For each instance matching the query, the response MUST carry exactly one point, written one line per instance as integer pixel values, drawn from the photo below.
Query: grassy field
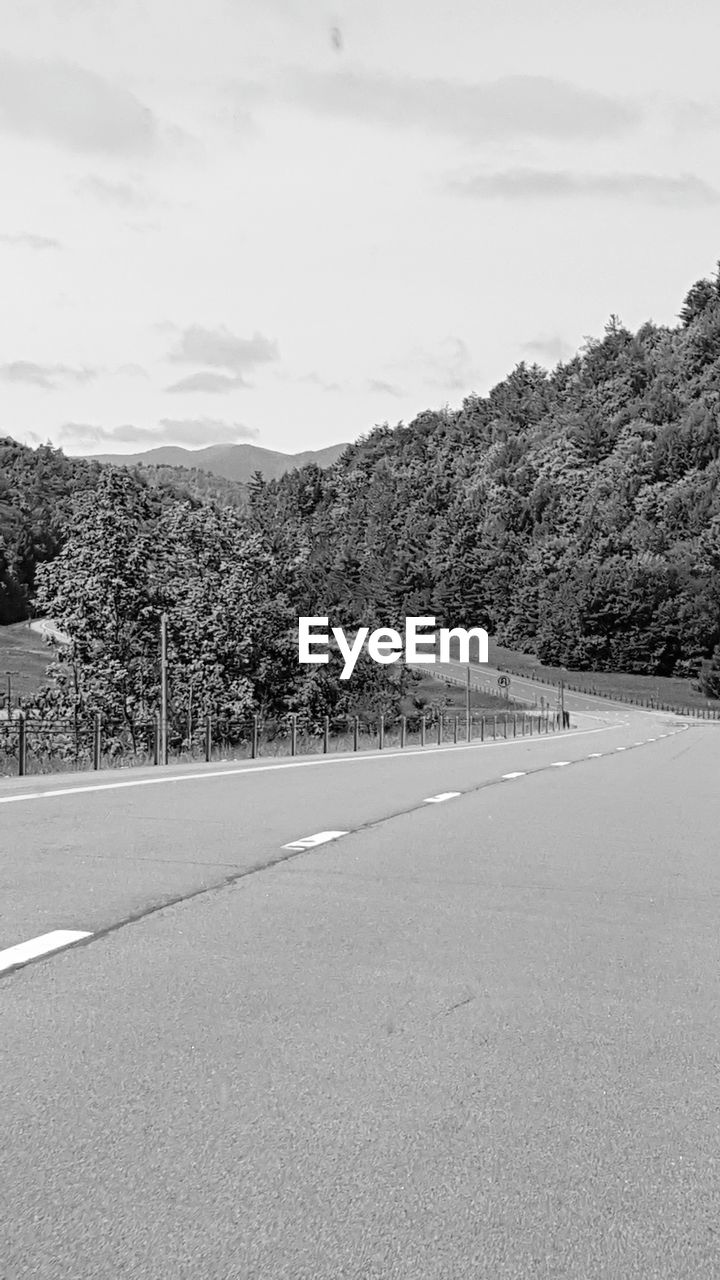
(623, 685)
(23, 653)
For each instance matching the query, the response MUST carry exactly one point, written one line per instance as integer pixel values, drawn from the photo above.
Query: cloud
(25, 240)
(181, 431)
(124, 195)
(510, 107)
(690, 116)
(550, 350)
(207, 380)
(46, 376)
(540, 184)
(449, 366)
(62, 103)
(383, 388)
(318, 381)
(222, 349)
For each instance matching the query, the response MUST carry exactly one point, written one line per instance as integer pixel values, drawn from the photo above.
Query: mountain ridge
(231, 461)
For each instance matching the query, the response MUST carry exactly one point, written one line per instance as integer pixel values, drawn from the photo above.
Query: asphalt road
(474, 1037)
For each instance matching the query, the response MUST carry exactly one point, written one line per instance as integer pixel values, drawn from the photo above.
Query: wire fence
(590, 689)
(33, 746)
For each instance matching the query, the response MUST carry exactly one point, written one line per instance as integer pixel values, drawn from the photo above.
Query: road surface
(472, 1034)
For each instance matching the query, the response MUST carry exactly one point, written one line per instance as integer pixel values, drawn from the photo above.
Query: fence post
(514, 724)
(208, 738)
(381, 733)
(482, 728)
(402, 731)
(22, 745)
(440, 728)
(455, 729)
(422, 731)
(97, 745)
(494, 728)
(156, 738)
(326, 735)
(254, 743)
(355, 732)
(293, 733)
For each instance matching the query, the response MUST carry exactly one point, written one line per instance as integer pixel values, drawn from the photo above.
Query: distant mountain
(232, 461)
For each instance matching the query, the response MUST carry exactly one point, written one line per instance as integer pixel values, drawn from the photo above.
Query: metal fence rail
(30, 745)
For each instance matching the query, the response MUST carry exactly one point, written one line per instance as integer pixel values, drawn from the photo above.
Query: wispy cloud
(181, 431)
(317, 380)
(544, 184)
(220, 349)
(550, 350)
(123, 195)
(383, 388)
(46, 376)
(63, 103)
(449, 365)
(209, 381)
(518, 106)
(26, 240)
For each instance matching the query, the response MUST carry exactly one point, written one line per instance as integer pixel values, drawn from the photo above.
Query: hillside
(575, 513)
(231, 461)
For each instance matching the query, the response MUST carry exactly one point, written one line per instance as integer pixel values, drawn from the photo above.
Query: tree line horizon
(573, 513)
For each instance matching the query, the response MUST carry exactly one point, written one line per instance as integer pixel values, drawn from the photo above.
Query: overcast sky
(284, 221)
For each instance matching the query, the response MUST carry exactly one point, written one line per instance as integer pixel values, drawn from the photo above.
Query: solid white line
(309, 842)
(351, 758)
(444, 795)
(514, 775)
(25, 951)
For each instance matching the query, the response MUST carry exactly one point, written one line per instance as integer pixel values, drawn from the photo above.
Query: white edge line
(41, 946)
(350, 758)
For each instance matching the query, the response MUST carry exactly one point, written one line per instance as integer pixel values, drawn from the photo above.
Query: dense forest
(575, 513)
(38, 488)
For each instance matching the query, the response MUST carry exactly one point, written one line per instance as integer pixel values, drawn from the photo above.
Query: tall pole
(562, 703)
(467, 705)
(163, 689)
(9, 675)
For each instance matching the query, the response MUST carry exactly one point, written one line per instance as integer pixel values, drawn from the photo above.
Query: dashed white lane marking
(638, 744)
(41, 946)
(315, 762)
(520, 774)
(619, 748)
(444, 795)
(559, 764)
(309, 842)
(595, 755)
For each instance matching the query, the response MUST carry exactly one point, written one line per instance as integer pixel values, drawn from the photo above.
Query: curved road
(472, 1034)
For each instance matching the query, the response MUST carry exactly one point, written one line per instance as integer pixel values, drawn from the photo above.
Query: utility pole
(467, 705)
(163, 689)
(9, 675)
